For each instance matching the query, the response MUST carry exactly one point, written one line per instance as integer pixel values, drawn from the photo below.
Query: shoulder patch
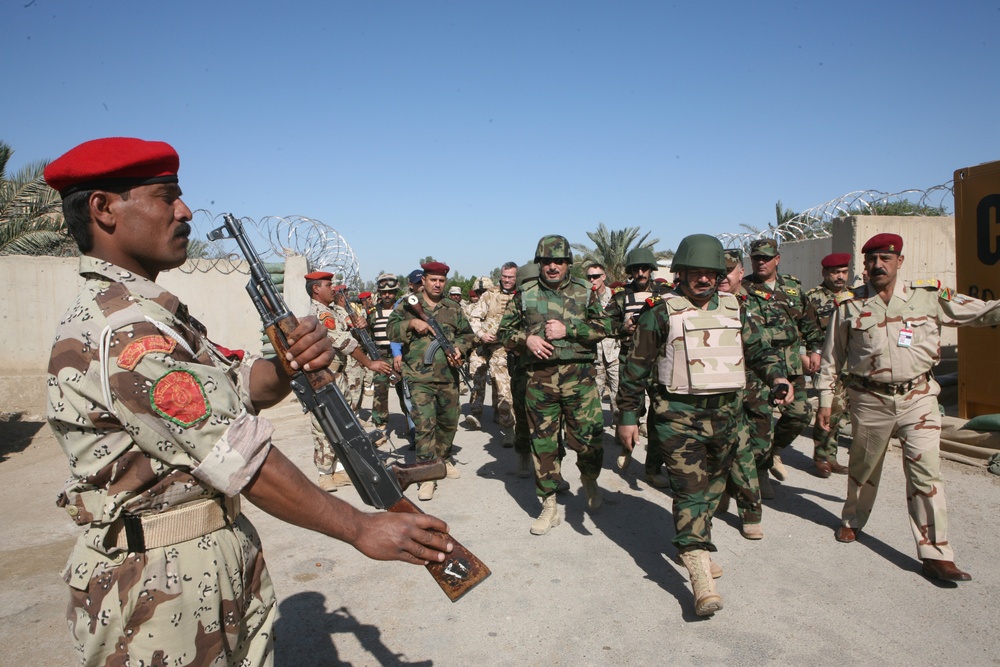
(946, 294)
(926, 283)
(326, 318)
(653, 300)
(179, 397)
(137, 349)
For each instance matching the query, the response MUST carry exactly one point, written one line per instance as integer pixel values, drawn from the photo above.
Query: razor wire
(817, 222)
(275, 238)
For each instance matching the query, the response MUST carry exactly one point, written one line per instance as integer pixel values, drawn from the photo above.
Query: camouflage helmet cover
(482, 284)
(700, 251)
(387, 282)
(640, 257)
(553, 246)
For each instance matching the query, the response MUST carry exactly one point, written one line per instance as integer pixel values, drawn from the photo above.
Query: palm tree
(612, 246)
(31, 221)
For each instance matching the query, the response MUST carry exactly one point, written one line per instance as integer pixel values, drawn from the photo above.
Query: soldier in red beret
(162, 434)
(884, 341)
(824, 297)
(433, 386)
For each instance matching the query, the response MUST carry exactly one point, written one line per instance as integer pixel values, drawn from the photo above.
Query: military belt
(701, 402)
(891, 388)
(137, 533)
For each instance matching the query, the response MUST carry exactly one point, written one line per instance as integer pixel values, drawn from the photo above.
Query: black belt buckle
(134, 537)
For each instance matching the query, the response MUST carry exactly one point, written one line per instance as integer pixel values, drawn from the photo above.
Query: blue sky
(466, 130)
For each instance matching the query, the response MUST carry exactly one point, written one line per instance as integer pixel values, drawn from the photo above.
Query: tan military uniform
(887, 352)
(485, 319)
(159, 430)
(334, 319)
(607, 360)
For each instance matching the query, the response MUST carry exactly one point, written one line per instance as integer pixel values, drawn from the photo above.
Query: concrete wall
(37, 290)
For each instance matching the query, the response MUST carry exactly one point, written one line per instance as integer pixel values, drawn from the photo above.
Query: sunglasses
(595, 276)
(761, 258)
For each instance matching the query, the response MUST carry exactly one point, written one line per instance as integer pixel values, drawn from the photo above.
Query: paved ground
(597, 590)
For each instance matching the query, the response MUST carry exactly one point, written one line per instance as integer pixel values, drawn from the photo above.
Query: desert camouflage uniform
(343, 344)
(825, 442)
(154, 418)
(887, 352)
(787, 321)
(433, 387)
(697, 433)
(608, 351)
(485, 319)
(561, 390)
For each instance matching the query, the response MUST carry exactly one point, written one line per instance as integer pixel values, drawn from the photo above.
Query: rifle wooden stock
(408, 474)
(460, 571)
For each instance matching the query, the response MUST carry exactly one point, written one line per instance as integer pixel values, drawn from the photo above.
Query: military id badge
(905, 336)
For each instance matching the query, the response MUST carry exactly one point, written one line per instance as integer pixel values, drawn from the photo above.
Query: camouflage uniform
(887, 352)
(695, 429)
(354, 372)
(433, 387)
(559, 390)
(154, 418)
(334, 319)
(378, 321)
(485, 319)
(825, 442)
(786, 320)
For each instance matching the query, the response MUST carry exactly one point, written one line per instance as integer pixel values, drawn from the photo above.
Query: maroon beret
(884, 243)
(112, 162)
(339, 288)
(364, 295)
(319, 275)
(436, 268)
(836, 259)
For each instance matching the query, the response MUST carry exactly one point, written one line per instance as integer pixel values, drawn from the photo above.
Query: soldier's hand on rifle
(554, 330)
(411, 538)
(421, 327)
(379, 367)
(628, 436)
(455, 360)
(309, 346)
(397, 364)
(823, 418)
(539, 347)
(787, 398)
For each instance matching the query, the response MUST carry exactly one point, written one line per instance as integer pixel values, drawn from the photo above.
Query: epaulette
(814, 290)
(843, 297)
(653, 300)
(787, 277)
(617, 290)
(761, 293)
(926, 283)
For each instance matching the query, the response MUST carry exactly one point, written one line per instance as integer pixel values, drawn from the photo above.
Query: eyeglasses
(595, 276)
(553, 260)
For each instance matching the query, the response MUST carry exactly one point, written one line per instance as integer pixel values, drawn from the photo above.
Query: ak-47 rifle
(318, 393)
(440, 342)
(367, 344)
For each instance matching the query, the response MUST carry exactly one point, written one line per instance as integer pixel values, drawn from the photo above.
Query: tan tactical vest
(703, 353)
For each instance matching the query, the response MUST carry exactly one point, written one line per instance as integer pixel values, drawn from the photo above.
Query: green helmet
(700, 251)
(640, 257)
(553, 246)
(526, 271)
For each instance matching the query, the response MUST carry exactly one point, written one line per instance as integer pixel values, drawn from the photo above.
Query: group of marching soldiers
(712, 367)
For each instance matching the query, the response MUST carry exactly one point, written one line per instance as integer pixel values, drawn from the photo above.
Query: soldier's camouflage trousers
(564, 394)
(495, 357)
(825, 442)
(324, 458)
(355, 374)
(380, 399)
(518, 388)
(435, 415)
(771, 437)
(697, 440)
(206, 601)
(742, 483)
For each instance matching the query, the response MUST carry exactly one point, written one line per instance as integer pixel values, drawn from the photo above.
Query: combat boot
(594, 500)
(778, 469)
(549, 517)
(327, 484)
(524, 465)
(427, 491)
(706, 600)
(623, 460)
(451, 472)
(508, 437)
(472, 422)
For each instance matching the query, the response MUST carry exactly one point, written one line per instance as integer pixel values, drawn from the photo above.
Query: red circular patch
(178, 396)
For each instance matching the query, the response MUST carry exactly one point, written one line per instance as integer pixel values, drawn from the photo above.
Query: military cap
(364, 295)
(339, 288)
(436, 268)
(112, 162)
(319, 275)
(836, 260)
(455, 289)
(884, 243)
(766, 247)
(482, 284)
(734, 257)
(472, 292)
(415, 277)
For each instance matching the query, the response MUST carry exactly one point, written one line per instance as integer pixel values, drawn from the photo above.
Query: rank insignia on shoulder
(843, 297)
(926, 283)
(762, 294)
(791, 291)
(653, 300)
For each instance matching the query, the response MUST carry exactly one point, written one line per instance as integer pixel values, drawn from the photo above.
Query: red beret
(884, 243)
(112, 162)
(836, 259)
(339, 288)
(319, 275)
(436, 268)
(364, 295)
